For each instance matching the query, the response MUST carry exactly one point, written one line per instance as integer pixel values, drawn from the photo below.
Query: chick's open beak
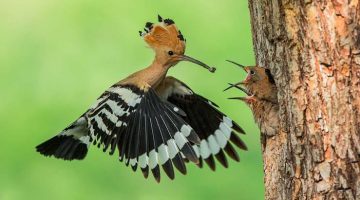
(236, 85)
(246, 69)
(249, 98)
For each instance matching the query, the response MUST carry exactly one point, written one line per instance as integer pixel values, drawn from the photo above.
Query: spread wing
(147, 131)
(217, 132)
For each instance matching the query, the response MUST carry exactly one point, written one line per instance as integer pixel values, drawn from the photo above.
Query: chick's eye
(171, 53)
(252, 72)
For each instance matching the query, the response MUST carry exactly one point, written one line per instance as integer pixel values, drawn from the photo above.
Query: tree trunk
(313, 50)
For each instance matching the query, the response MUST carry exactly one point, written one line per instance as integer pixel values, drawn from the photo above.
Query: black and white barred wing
(72, 143)
(147, 132)
(217, 132)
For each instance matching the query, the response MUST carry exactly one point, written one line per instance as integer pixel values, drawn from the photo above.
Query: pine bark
(313, 50)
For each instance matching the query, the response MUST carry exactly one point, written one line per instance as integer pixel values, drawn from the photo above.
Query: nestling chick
(259, 85)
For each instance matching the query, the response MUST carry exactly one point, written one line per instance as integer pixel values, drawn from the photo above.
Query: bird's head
(258, 82)
(168, 43)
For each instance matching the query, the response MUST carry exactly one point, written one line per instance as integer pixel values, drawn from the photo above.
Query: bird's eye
(252, 72)
(171, 53)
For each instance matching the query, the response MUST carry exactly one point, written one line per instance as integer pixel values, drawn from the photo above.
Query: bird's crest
(164, 34)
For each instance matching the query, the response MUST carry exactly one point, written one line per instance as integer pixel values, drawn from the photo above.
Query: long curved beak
(248, 99)
(240, 65)
(245, 99)
(236, 85)
(193, 60)
(238, 98)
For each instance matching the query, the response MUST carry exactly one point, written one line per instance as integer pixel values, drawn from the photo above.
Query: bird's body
(262, 99)
(152, 120)
(266, 116)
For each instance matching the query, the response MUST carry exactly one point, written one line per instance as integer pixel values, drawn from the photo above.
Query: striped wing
(217, 132)
(147, 132)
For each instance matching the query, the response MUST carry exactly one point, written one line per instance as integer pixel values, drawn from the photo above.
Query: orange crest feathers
(163, 35)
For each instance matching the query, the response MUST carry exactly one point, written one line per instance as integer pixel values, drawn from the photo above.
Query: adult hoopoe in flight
(152, 119)
(261, 97)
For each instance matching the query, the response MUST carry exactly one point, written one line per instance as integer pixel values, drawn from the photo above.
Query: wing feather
(216, 131)
(147, 131)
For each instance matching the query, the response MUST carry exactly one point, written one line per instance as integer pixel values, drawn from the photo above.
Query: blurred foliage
(57, 57)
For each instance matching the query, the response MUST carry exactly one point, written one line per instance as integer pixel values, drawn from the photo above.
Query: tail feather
(72, 143)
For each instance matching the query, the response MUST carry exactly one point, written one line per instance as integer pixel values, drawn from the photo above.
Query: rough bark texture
(313, 49)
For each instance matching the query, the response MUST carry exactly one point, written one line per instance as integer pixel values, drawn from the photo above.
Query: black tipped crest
(160, 19)
(169, 21)
(149, 25)
(180, 36)
(164, 23)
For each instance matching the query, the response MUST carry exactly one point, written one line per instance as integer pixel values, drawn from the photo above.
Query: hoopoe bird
(152, 119)
(259, 86)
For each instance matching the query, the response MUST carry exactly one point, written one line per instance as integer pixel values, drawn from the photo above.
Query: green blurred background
(57, 57)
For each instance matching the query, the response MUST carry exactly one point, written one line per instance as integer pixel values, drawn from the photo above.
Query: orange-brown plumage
(259, 82)
(169, 47)
(261, 91)
(151, 120)
(164, 37)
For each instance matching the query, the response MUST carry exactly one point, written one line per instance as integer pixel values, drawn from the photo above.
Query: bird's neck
(150, 76)
(155, 73)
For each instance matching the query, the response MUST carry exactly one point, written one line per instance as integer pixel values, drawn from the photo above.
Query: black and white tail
(72, 143)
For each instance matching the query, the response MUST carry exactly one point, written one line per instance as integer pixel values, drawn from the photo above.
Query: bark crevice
(313, 51)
